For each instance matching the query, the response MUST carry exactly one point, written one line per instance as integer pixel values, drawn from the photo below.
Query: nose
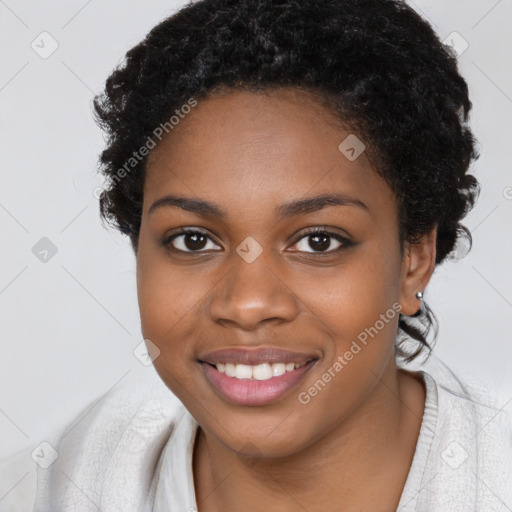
(252, 294)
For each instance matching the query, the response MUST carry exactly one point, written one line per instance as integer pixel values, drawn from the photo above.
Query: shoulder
(469, 462)
(121, 433)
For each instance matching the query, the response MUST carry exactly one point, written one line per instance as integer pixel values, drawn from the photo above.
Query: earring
(419, 295)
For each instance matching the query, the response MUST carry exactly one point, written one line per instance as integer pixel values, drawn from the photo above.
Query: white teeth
(243, 371)
(230, 369)
(262, 371)
(278, 369)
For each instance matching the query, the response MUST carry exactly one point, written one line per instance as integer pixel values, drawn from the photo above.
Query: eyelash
(345, 243)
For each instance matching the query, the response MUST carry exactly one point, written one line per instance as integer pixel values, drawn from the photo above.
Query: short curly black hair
(377, 63)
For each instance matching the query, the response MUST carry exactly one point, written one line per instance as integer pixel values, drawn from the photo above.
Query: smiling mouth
(255, 385)
(263, 371)
(256, 376)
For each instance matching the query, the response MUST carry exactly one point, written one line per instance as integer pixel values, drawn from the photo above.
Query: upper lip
(256, 356)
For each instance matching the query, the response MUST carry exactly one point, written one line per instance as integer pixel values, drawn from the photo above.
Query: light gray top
(133, 452)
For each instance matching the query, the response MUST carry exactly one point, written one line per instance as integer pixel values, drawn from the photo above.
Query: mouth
(257, 377)
(263, 371)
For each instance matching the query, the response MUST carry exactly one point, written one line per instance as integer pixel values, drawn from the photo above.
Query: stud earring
(419, 295)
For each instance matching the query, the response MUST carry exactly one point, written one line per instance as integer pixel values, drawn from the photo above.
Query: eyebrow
(286, 210)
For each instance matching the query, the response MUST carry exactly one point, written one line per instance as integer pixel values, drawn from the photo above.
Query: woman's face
(256, 279)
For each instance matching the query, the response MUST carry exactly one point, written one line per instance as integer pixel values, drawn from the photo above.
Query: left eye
(320, 242)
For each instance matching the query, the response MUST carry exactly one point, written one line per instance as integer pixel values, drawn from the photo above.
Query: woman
(289, 174)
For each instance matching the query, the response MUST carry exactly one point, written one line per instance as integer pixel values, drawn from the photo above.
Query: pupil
(321, 245)
(195, 244)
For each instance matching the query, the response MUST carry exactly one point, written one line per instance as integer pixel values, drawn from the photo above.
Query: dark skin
(350, 448)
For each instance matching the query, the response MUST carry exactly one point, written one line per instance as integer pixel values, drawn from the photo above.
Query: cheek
(166, 294)
(157, 295)
(172, 299)
(166, 297)
(351, 297)
(357, 307)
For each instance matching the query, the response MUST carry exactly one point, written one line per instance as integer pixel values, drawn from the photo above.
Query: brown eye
(321, 241)
(189, 240)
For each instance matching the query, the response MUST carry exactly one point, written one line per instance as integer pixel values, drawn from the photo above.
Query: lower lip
(251, 391)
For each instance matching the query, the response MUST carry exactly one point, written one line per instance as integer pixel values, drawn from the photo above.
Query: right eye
(188, 240)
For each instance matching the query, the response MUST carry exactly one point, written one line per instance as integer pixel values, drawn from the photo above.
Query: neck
(362, 462)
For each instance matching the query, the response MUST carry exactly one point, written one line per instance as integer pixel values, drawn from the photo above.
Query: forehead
(252, 148)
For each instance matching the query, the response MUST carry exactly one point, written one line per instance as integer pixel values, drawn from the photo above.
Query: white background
(69, 326)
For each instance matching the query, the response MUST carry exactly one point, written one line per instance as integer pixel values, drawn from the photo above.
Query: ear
(417, 268)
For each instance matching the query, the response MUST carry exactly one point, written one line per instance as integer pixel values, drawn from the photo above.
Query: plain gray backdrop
(69, 316)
